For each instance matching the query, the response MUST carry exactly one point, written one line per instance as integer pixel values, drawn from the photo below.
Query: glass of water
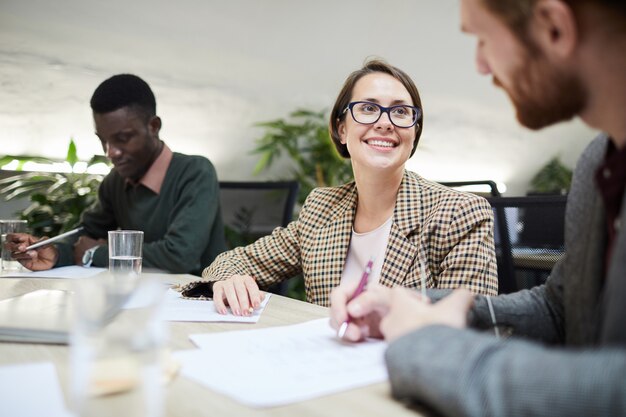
(10, 226)
(125, 248)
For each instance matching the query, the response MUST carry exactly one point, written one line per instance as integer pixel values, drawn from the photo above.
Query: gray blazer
(578, 368)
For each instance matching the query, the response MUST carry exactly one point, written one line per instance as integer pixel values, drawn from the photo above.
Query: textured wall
(217, 67)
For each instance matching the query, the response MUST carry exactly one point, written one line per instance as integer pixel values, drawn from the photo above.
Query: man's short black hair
(124, 90)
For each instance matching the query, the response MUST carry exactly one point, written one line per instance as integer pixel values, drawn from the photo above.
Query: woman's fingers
(239, 292)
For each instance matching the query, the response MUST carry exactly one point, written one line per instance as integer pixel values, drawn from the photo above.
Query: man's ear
(554, 28)
(154, 125)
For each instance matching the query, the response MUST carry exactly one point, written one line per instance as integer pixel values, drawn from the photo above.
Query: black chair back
(251, 210)
(255, 209)
(493, 187)
(528, 238)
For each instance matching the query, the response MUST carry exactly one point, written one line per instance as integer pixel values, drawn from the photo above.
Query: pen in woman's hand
(366, 273)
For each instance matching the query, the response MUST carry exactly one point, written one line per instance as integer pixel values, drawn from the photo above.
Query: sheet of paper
(68, 272)
(177, 308)
(180, 309)
(31, 390)
(282, 365)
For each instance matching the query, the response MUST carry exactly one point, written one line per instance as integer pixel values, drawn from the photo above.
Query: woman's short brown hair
(343, 99)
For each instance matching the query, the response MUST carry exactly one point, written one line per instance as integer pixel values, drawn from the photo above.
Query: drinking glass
(117, 349)
(8, 264)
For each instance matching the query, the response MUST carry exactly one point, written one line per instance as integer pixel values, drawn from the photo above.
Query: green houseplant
(57, 199)
(553, 178)
(304, 137)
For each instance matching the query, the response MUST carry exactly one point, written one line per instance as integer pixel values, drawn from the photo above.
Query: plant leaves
(305, 139)
(58, 199)
(71, 157)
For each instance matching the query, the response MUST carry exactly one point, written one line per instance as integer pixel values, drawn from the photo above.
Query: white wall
(217, 67)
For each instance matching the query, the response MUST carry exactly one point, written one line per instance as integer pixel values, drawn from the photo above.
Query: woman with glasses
(413, 230)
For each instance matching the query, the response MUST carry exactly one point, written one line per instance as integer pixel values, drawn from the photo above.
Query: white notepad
(41, 316)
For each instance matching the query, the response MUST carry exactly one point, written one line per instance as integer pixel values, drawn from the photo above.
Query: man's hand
(37, 259)
(408, 312)
(365, 311)
(82, 244)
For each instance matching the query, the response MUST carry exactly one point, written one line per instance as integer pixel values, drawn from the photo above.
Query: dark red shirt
(611, 180)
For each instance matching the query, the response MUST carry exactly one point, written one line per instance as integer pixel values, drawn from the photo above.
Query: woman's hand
(240, 292)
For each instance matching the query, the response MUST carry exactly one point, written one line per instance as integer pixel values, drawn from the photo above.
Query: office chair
(529, 239)
(251, 210)
(493, 188)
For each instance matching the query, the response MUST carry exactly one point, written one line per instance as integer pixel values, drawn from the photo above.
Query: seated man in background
(171, 197)
(556, 59)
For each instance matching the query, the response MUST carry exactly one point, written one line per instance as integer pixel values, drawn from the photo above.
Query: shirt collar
(154, 177)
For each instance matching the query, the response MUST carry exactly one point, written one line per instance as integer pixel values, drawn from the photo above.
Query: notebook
(41, 316)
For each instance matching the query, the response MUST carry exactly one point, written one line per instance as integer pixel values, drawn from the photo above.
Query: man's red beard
(543, 95)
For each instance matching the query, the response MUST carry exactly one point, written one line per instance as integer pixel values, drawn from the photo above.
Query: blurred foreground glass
(8, 264)
(117, 348)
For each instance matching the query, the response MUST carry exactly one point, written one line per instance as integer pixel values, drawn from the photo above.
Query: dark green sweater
(183, 229)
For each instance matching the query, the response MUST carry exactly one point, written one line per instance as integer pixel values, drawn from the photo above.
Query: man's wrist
(88, 256)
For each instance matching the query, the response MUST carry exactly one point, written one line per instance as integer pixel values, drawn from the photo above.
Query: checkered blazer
(450, 230)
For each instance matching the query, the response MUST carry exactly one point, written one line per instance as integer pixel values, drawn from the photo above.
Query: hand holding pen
(366, 310)
(34, 253)
(359, 289)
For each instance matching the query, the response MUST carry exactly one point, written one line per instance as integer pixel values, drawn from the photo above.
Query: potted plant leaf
(553, 178)
(57, 199)
(304, 137)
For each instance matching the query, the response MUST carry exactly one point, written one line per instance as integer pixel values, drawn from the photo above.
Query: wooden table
(186, 398)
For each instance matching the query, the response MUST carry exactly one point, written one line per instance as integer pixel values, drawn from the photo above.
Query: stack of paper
(45, 316)
(41, 316)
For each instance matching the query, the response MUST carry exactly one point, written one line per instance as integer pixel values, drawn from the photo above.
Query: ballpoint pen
(359, 290)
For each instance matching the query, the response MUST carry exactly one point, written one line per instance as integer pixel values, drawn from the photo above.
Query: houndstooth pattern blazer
(451, 231)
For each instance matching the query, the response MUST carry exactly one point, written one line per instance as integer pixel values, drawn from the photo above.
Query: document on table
(282, 365)
(68, 272)
(177, 308)
(31, 390)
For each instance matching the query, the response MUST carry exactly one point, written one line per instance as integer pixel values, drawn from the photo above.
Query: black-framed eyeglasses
(366, 112)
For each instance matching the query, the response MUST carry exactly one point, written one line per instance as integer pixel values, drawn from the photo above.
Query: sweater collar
(155, 176)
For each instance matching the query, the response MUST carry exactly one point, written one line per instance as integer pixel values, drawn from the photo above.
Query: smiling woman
(404, 222)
